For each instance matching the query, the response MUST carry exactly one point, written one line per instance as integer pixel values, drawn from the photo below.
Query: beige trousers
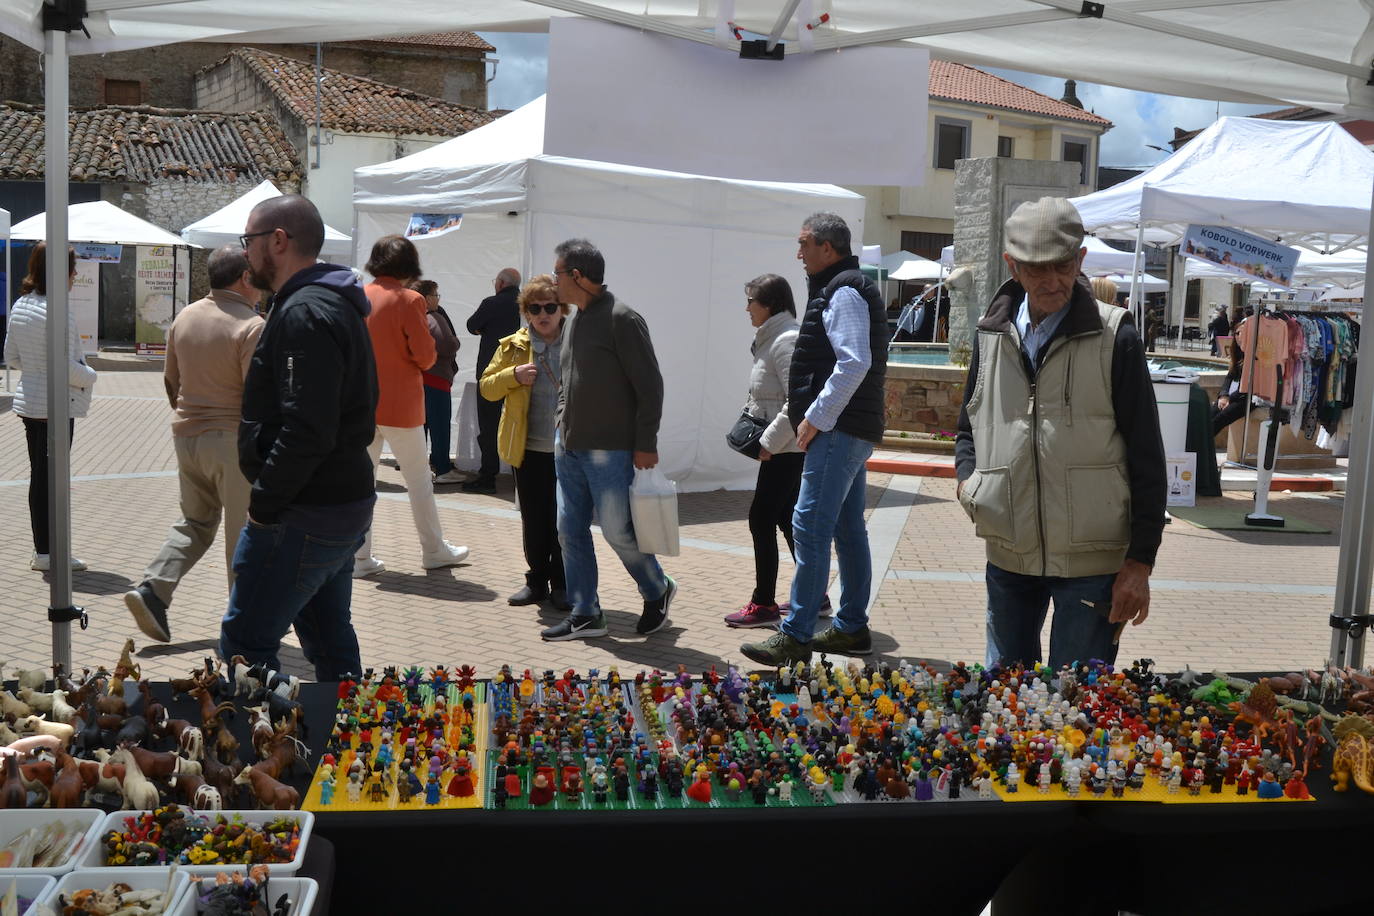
(408, 445)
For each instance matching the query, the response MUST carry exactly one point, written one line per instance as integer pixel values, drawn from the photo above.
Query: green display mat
(1225, 518)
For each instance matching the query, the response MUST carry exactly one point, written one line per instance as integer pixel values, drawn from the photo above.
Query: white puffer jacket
(26, 348)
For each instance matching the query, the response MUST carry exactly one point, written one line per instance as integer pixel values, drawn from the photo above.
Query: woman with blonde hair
(525, 373)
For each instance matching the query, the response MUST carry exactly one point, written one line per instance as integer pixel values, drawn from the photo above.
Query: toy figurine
(541, 790)
(1176, 780)
(1013, 778)
(432, 791)
(785, 792)
(1296, 787)
(1072, 781)
(700, 789)
(327, 792)
(1043, 780)
(1269, 786)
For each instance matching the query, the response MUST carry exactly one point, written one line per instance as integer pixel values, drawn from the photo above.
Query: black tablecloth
(1060, 857)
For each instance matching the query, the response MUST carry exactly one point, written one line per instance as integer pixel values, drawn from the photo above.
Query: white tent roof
(917, 268)
(1148, 282)
(1297, 51)
(100, 221)
(1300, 181)
(1101, 258)
(225, 225)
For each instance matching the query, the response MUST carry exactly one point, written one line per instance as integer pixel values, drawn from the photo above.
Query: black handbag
(744, 437)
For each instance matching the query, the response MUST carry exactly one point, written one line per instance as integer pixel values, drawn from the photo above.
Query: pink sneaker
(826, 610)
(754, 615)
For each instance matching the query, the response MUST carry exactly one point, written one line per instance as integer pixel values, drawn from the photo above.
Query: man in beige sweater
(209, 347)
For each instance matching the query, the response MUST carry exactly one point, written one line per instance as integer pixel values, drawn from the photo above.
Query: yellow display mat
(481, 730)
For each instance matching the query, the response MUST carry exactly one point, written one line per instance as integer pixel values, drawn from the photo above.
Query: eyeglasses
(566, 270)
(248, 237)
(549, 308)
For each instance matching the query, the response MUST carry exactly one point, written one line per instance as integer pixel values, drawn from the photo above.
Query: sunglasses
(549, 308)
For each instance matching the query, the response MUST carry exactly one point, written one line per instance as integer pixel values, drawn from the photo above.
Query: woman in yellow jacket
(525, 373)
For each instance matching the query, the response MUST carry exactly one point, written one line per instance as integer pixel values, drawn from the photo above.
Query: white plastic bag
(653, 510)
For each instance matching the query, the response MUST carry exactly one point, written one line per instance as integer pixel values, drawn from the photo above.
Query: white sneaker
(451, 556)
(42, 562)
(451, 476)
(369, 567)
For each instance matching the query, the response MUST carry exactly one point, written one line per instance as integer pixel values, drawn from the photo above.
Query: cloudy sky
(1142, 119)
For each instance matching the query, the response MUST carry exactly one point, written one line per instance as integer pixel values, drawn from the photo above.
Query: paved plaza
(1237, 600)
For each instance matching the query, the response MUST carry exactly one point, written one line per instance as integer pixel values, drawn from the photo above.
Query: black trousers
(36, 433)
(488, 419)
(775, 496)
(1223, 417)
(537, 486)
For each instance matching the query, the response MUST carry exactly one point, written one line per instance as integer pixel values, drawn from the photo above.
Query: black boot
(533, 592)
(558, 597)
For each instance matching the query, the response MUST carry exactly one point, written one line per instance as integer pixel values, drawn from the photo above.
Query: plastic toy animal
(1258, 709)
(270, 792)
(12, 792)
(1354, 757)
(38, 725)
(10, 705)
(32, 678)
(67, 785)
(139, 793)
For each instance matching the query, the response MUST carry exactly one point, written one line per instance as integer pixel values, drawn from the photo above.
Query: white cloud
(523, 71)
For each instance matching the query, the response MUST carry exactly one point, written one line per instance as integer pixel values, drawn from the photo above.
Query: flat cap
(1045, 231)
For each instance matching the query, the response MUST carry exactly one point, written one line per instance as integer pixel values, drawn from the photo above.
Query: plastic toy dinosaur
(1354, 757)
(1258, 709)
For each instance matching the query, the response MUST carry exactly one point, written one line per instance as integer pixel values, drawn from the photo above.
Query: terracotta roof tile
(354, 104)
(113, 143)
(468, 40)
(960, 83)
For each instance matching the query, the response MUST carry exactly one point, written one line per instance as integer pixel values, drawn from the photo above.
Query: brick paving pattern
(1237, 600)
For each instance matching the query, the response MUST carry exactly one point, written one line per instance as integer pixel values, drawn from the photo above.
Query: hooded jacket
(310, 397)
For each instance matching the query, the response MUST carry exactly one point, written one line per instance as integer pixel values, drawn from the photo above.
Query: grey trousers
(212, 486)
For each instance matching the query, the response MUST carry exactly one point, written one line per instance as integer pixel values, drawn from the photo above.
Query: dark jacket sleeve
(308, 367)
(1137, 419)
(964, 453)
(483, 316)
(637, 358)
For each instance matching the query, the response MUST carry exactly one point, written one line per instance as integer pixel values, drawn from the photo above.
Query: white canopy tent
(903, 265)
(678, 247)
(1148, 282)
(102, 222)
(1182, 47)
(1101, 259)
(225, 225)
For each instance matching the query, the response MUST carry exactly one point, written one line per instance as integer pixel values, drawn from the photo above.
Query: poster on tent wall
(853, 118)
(432, 224)
(160, 285)
(83, 303)
(105, 254)
(1241, 253)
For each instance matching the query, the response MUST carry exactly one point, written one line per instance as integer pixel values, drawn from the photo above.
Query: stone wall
(986, 191)
(166, 74)
(924, 399)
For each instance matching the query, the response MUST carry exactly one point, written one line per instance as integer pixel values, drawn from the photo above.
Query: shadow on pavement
(96, 582)
(435, 583)
(157, 650)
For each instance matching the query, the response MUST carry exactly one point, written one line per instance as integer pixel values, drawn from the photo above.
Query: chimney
(1070, 95)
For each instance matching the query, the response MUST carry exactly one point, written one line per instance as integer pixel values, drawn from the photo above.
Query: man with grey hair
(1058, 455)
(209, 346)
(836, 403)
(497, 316)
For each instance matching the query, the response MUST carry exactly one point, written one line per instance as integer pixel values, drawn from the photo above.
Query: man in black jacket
(498, 316)
(309, 406)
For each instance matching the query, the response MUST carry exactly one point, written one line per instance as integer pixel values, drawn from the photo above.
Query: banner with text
(83, 303)
(160, 287)
(105, 254)
(1241, 253)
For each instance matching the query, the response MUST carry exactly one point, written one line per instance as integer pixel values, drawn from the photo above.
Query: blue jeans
(287, 577)
(830, 508)
(439, 424)
(1017, 606)
(598, 481)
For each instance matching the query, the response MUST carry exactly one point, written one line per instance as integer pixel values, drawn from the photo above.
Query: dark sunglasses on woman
(549, 308)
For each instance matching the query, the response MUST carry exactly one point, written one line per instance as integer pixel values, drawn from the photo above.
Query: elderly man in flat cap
(1059, 457)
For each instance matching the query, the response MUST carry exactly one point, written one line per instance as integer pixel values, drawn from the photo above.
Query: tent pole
(1350, 617)
(1137, 294)
(60, 609)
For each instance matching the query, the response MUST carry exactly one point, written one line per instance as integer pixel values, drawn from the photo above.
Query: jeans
(775, 499)
(1017, 606)
(408, 445)
(598, 481)
(488, 421)
(439, 426)
(537, 487)
(287, 577)
(830, 508)
(211, 485)
(36, 435)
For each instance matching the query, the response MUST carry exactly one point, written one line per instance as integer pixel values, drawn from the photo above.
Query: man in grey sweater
(609, 404)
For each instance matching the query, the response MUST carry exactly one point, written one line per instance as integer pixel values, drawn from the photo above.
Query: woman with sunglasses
(525, 373)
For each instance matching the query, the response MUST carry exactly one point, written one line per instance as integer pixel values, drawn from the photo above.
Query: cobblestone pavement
(1239, 600)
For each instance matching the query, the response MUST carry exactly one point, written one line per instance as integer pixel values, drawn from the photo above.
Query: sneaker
(655, 616)
(149, 612)
(778, 649)
(754, 614)
(575, 627)
(451, 556)
(480, 485)
(369, 567)
(837, 642)
(558, 597)
(451, 476)
(43, 563)
(826, 610)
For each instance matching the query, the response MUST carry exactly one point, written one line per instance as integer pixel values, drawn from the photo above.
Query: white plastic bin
(14, 821)
(34, 887)
(1172, 399)
(95, 857)
(136, 878)
(301, 891)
